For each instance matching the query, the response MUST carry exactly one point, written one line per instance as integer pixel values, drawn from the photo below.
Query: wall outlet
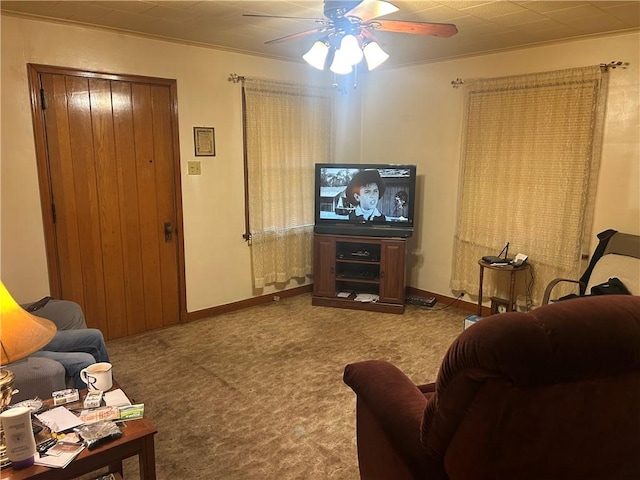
(194, 168)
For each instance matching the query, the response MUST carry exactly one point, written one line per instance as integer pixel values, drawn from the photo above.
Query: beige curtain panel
(529, 169)
(288, 131)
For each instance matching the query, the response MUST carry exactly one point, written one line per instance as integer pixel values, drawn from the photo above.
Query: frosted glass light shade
(317, 55)
(340, 64)
(351, 49)
(374, 55)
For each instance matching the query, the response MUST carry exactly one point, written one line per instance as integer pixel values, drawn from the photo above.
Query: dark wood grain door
(109, 180)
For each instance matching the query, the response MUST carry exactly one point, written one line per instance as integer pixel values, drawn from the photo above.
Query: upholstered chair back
(553, 393)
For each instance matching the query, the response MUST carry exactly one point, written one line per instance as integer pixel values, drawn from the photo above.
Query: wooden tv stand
(359, 265)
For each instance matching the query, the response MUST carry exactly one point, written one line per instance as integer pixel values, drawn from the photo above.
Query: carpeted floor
(258, 393)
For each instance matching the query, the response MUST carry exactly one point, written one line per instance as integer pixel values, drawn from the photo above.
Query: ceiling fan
(348, 28)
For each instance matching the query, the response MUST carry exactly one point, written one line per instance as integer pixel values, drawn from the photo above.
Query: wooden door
(108, 165)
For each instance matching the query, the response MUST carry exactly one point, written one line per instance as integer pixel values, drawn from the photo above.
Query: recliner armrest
(395, 403)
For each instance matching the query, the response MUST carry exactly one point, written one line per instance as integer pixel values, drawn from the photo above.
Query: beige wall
(409, 115)
(217, 258)
(414, 115)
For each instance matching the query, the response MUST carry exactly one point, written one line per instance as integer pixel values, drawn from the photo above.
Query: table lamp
(21, 334)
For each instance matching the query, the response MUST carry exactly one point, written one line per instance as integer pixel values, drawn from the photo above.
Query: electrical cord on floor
(437, 309)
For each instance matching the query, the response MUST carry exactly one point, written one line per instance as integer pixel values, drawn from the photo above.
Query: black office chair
(624, 262)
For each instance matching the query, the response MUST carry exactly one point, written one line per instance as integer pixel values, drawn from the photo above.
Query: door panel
(392, 285)
(128, 196)
(108, 214)
(150, 227)
(113, 181)
(324, 261)
(164, 174)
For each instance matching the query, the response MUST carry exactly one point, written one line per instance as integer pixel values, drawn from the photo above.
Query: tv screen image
(365, 199)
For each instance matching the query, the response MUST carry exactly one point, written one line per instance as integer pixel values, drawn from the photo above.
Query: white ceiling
(483, 26)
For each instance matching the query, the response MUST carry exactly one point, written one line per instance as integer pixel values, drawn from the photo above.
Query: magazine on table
(60, 455)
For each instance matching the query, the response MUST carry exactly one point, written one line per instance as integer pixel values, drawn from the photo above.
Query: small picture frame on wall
(204, 141)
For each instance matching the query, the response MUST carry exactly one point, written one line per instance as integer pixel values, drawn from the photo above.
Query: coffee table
(137, 439)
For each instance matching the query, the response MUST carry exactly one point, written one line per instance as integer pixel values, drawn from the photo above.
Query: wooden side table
(137, 439)
(512, 286)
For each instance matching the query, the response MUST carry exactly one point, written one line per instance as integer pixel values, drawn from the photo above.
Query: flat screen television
(375, 200)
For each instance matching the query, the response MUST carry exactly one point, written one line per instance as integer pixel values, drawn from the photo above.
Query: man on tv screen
(364, 191)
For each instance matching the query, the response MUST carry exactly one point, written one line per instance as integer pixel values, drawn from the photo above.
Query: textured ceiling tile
(576, 13)
(549, 6)
(495, 9)
(520, 18)
(596, 24)
(541, 26)
(554, 34)
(172, 14)
(128, 21)
(81, 12)
(482, 25)
(629, 13)
(46, 9)
(442, 14)
(126, 6)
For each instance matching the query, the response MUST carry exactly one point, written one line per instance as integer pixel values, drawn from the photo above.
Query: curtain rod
(235, 78)
(603, 66)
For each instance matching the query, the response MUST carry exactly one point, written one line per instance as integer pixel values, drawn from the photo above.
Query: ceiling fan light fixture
(350, 47)
(317, 55)
(340, 64)
(374, 55)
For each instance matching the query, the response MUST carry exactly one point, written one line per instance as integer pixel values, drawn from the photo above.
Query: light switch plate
(194, 168)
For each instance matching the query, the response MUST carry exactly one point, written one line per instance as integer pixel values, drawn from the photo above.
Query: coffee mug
(97, 376)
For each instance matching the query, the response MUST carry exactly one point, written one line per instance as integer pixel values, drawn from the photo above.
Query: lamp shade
(374, 55)
(340, 64)
(317, 55)
(21, 333)
(350, 47)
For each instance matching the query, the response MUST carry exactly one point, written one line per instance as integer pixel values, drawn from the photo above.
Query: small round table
(513, 270)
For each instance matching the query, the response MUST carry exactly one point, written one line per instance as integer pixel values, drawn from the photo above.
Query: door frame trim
(44, 174)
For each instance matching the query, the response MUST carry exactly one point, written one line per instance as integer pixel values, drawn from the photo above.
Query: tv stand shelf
(352, 266)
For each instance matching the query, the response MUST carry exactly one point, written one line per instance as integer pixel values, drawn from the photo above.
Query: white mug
(97, 376)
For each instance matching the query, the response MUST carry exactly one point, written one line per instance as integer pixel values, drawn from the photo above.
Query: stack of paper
(366, 297)
(116, 398)
(60, 455)
(59, 419)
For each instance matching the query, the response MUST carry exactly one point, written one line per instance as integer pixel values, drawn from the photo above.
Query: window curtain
(288, 129)
(531, 152)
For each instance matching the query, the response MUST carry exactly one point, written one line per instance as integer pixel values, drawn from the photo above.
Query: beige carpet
(258, 393)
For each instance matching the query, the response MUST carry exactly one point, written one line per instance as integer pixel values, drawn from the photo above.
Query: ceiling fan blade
(295, 35)
(419, 28)
(370, 9)
(367, 35)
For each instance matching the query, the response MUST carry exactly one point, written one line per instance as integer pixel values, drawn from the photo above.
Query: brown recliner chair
(549, 394)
